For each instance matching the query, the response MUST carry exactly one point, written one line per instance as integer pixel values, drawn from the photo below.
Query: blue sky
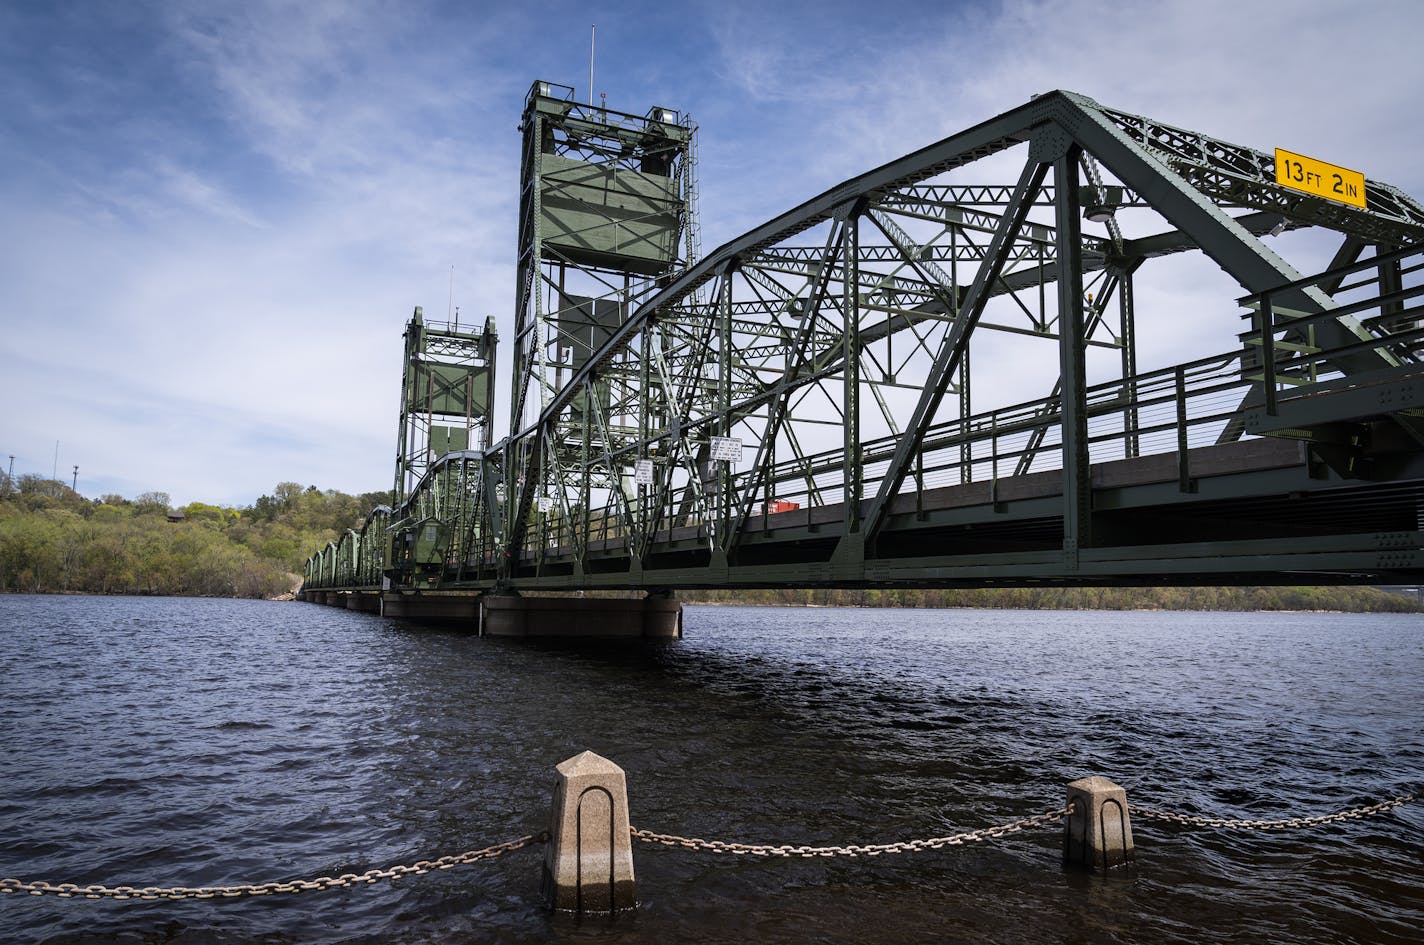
(217, 217)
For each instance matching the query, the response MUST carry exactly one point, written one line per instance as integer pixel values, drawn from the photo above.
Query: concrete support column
(588, 868)
(365, 601)
(458, 610)
(1098, 833)
(662, 618)
(509, 616)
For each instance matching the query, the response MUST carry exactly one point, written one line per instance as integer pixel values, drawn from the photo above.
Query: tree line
(1354, 599)
(53, 540)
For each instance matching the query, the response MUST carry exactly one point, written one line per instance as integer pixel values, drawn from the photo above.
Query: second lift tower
(607, 208)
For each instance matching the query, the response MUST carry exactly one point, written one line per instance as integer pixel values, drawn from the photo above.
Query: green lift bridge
(929, 374)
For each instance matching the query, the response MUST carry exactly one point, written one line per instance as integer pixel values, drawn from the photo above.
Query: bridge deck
(1241, 500)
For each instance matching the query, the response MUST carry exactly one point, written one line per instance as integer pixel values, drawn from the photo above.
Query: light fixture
(1279, 228)
(1100, 202)
(1098, 213)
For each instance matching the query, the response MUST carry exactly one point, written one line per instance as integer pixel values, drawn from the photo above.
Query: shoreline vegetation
(1339, 599)
(55, 541)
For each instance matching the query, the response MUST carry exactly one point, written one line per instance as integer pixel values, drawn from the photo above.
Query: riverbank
(1301, 599)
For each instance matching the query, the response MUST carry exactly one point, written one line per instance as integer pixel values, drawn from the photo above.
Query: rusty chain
(1191, 820)
(874, 849)
(421, 867)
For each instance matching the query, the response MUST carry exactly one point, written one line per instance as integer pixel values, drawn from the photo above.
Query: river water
(216, 742)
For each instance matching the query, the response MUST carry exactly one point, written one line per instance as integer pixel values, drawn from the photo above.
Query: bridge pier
(460, 609)
(364, 601)
(509, 616)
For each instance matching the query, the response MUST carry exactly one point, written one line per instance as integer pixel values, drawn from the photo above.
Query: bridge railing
(1292, 363)
(1172, 409)
(1175, 408)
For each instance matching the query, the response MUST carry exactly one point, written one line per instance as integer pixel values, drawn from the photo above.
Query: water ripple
(202, 742)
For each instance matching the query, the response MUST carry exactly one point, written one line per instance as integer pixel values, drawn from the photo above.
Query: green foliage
(52, 540)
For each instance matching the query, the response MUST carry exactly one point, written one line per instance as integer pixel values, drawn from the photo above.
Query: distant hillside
(53, 540)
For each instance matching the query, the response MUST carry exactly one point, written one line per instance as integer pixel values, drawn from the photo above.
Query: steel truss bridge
(940, 372)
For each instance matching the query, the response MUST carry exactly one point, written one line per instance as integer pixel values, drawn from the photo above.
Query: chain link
(1191, 820)
(419, 868)
(874, 849)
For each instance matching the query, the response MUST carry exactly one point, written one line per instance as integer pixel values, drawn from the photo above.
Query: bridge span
(1064, 346)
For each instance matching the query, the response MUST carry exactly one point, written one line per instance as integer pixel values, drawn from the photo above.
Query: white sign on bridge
(726, 448)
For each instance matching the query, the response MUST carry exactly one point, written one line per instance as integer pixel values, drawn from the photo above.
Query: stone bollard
(588, 868)
(1098, 833)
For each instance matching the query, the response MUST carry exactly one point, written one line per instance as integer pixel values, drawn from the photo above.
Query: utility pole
(75, 485)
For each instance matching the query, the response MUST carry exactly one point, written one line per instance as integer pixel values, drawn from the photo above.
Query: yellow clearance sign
(1319, 179)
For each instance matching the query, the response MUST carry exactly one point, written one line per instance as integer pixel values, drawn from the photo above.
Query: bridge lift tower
(607, 216)
(447, 396)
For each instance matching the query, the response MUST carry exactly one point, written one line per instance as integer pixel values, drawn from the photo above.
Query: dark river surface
(216, 742)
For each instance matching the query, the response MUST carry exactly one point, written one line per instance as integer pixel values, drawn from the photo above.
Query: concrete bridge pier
(452, 608)
(364, 601)
(503, 615)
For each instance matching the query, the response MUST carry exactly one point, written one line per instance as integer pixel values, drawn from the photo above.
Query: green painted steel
(604, 216)
(447, 395)
(924, 377)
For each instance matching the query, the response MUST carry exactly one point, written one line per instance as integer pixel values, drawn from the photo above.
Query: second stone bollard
(588, 868)
(1098, 833)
